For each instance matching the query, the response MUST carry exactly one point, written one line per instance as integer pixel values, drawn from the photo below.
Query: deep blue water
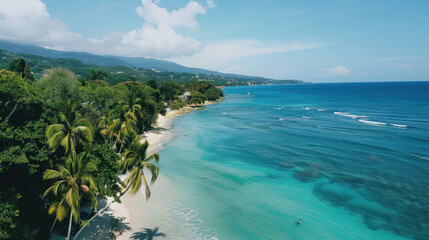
(351, 160)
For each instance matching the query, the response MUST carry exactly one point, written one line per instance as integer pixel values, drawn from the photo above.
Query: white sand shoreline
(135, 218)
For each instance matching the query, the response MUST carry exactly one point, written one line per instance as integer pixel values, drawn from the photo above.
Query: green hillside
(117, 74)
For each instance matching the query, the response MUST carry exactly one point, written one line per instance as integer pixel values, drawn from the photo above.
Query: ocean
(349, 159)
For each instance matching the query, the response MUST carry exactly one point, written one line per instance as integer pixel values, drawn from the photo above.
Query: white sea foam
(399, 125)
(279, 108)
(424, 158)
(306, 117)
(341, 113)
(321, 109)
(224, 113)
(307, 108)
(346, 114)
(354, 116)
(197, 228)
(372, 122)
(281, 119)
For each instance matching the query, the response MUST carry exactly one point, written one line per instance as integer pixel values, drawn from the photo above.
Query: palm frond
(93, 198)
(64, 171)
(72, 199)
(90, 167)
(51, 174)
(66, 142)
(134, 178)
(137, 107)
(75, 206)
(76, 164)
(54, 128)
(153, 156)
(62, 211)
(154, 170)
(84, 122)
(115, 127)
(147, 188)
(53, 208)
(55, 139)
(84, 131)
(53, 188)
(89, 180)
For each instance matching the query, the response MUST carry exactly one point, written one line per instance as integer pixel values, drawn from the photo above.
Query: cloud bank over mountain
(29, 21)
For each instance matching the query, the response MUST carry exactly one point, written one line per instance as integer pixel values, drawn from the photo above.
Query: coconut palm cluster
(73, 182)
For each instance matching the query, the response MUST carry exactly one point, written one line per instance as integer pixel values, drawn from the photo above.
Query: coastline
(135, 218)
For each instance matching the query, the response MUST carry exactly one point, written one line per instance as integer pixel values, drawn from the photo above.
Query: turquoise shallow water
(350, 160)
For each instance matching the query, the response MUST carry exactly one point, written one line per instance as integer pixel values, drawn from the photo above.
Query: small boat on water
(248, 93)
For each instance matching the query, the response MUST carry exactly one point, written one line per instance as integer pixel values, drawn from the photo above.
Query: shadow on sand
(147, 234)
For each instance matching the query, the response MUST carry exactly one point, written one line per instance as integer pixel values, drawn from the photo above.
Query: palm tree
(73, 181)
(134, 105)
(70, 131)
(103, 126)
(123, 123)
(135, 161)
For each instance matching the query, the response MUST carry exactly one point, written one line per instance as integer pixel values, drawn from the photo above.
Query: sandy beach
(135, 218)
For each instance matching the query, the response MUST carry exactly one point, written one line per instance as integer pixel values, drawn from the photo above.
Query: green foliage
(136, 160)
(63, 124)
(97, 75)
(107, 164)
(118, 74)
(9, 227)
(200, 86)
(147, 96)
(203, 90)
(60, 83)
(21, 67)
(152, 83)
(176, 105)
(23, 158)
(197, 98)
(72, 181)
(170, 90)
(19, 99)
(213, 94)
(71, 131)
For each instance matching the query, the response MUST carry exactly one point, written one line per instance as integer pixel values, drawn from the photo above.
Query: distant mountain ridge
(88, 58)
(92, 59)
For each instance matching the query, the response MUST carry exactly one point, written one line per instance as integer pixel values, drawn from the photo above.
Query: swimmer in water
(299, 221)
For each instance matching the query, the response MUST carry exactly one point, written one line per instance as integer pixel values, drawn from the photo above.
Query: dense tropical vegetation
(65, 139)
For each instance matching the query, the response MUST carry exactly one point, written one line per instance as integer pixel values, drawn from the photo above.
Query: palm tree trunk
(73, 145)
(100, 211)
(53, 225)
(70, 225)
(120, 149)
(11, 113)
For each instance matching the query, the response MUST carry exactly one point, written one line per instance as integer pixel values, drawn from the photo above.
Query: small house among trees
(185, 96)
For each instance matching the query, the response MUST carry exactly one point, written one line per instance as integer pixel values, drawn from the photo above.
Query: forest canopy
(52, 122)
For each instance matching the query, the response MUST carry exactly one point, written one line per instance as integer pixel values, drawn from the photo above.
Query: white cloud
(29, 21)
(158, 42)
(210, 4)
(338, 71)
(152, 13)
(218, 55)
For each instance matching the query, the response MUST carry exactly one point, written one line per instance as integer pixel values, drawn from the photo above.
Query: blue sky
(318, 41)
